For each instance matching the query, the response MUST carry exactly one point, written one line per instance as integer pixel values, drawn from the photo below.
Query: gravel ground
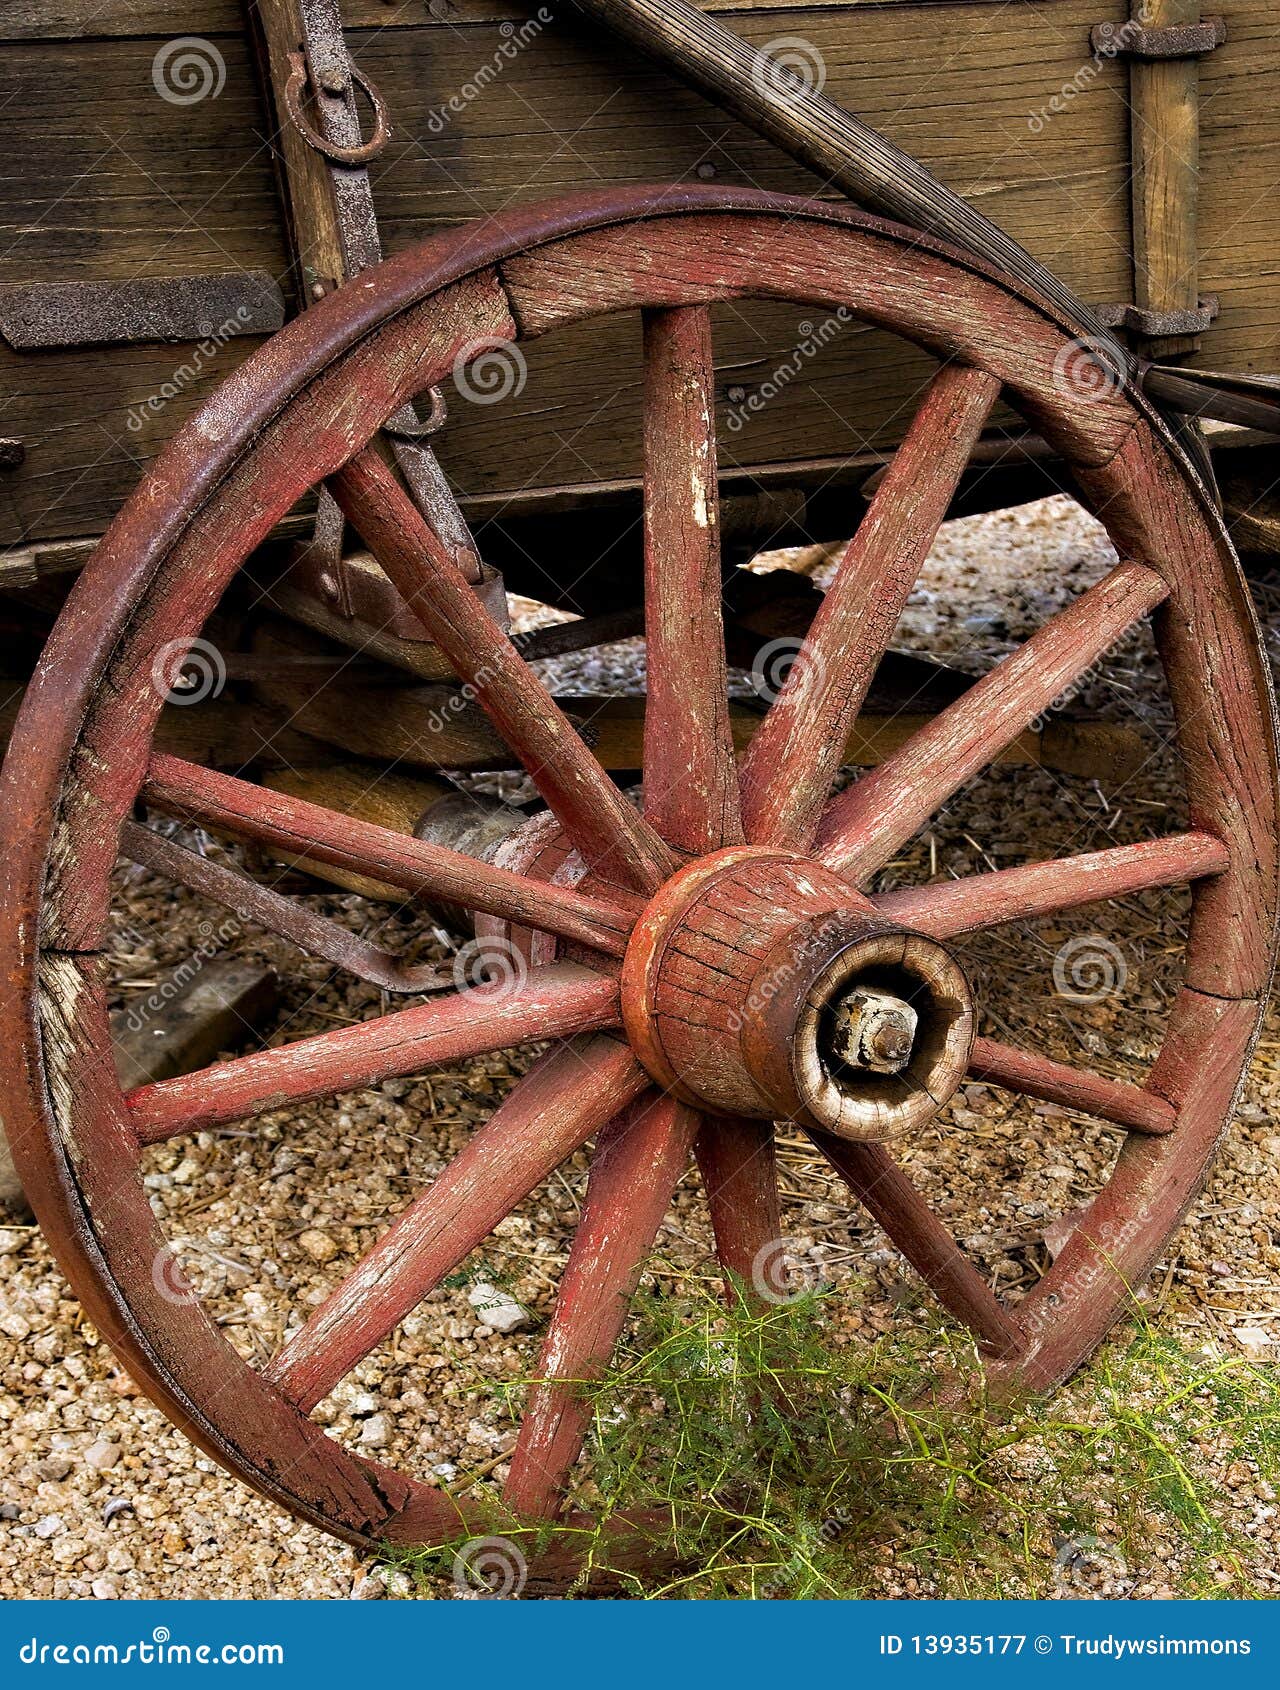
(100, 1497)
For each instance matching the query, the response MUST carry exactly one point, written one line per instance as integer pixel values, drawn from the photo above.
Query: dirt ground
(100, 1497)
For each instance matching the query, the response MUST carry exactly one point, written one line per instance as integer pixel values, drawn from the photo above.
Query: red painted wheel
(719, 965)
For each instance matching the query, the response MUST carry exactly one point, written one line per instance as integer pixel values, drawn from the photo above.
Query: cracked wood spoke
(639, 1159)
(865, 824)
(608, 832)
(553, 1003)
(978, 901)
(1074, 1088)
(887, 1194)
(690, 775)
(554, 1110)
(795, 756)
(292, 825)
(737, 1159)
(312, 933)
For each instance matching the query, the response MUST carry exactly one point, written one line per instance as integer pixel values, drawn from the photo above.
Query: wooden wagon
(523, 396)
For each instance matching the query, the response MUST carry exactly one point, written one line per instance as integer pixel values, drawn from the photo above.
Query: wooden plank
(1164, 97)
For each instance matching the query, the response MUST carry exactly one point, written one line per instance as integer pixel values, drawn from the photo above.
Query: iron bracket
(1177, 41)
(1159, 325)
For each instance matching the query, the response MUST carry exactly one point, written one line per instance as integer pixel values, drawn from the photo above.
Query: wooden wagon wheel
(718, 964)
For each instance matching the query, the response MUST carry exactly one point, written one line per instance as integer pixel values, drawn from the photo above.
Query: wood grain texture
(690, 777)
(866, 823)
(1164, 99)
(977, 901)
(637, 1163)
(1033, 1075)
(738, 1162)
(568, 1096)
(797, 753)
(552, 1003)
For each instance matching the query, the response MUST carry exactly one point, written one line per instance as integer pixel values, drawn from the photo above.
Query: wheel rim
(303, 410)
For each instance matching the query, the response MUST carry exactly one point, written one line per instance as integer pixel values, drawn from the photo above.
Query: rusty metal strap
(1176, 41)
(40, 316)
(1159, 325)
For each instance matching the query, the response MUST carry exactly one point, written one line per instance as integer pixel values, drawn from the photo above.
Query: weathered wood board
(105, 178)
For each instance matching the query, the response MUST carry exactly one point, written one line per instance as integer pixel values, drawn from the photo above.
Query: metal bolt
(875, 1030)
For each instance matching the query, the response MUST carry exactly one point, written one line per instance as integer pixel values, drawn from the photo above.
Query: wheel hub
(758, 983)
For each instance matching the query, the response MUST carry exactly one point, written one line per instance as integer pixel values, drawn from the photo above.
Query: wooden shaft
(230, 805)
(867, 822)
(1037, 889)
(638, 1160)
(553, 1003)
(787, 774)
(737, 1159)
(572, 1092)
(888, 1195)
(611, 836)
(690, 777)
(1074, 1088)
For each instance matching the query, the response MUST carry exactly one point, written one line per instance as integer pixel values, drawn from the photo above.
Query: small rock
(1252, 1338)
(102, 1457)
(10, 1241)
(318, 1245)
(56, 1467)
(116, 1505)
(362, 1405)
(49, 1526)
(15, 1326)
(367, 1586)
(376, 1431)
(497, 1308)
(104, 1590)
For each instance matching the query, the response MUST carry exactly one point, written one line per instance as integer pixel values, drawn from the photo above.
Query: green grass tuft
(793, 1466)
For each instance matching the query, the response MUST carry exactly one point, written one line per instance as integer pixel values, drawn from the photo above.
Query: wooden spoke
(312, 933)
(292, 825)
(611, 837)
(787, 773)
(1074, 1088)
(979, 901)
(690, 776)
(865, 824)
(553, 1003)
(568, 1096)
(892, 1200)
(737, 1158)
(638, 1160)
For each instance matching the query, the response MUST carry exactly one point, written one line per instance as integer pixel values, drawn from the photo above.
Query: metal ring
(419, 430)
(340, 155)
